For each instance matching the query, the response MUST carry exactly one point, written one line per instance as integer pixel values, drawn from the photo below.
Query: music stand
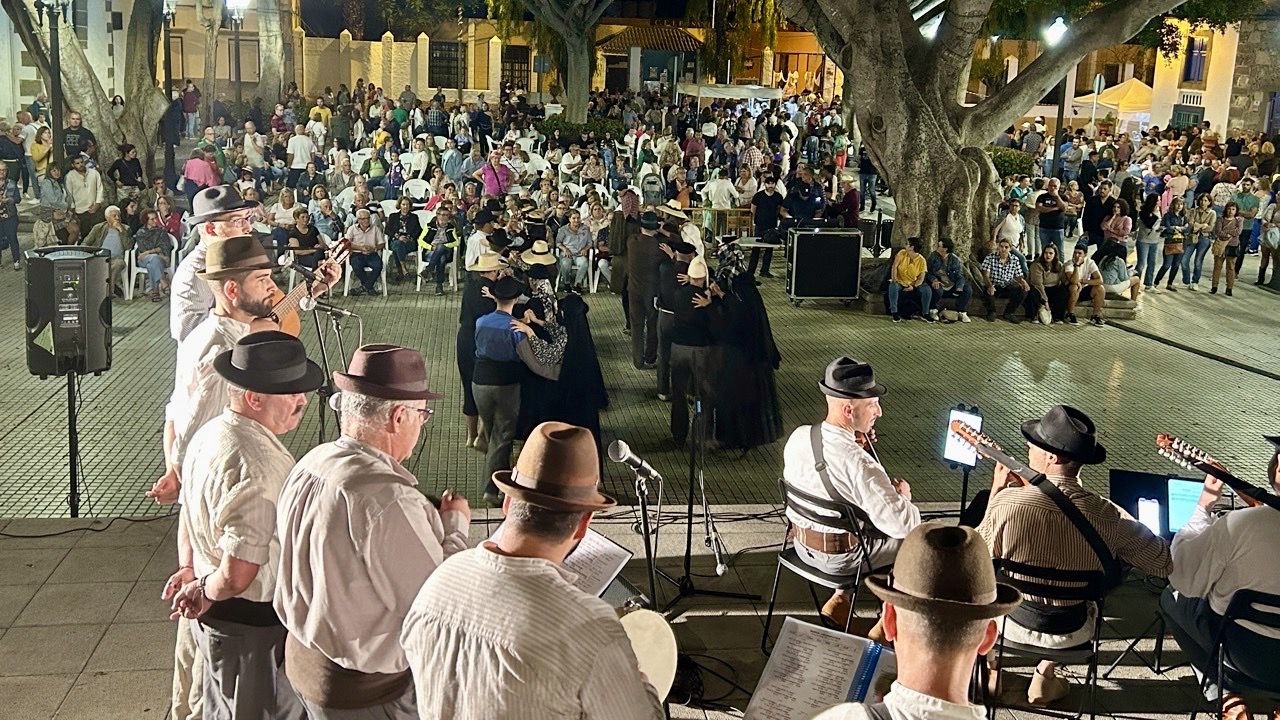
(965, 468)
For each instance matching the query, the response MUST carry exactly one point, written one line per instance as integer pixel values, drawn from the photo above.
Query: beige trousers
(188, 676)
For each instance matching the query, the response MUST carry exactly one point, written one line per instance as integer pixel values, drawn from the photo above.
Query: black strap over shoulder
(1113, 569)
(869, 530)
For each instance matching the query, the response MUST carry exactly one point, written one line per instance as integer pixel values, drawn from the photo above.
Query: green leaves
(407, 18)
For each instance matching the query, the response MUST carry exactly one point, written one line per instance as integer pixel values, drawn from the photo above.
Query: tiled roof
(653, 38)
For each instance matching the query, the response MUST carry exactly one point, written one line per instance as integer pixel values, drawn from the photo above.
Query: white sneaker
(964, 317)
(1195, 287)
(933, 315)
(1188, 286)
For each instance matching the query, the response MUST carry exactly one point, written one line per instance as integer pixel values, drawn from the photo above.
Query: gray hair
(365, 411)
(235, 393)
(544, 523)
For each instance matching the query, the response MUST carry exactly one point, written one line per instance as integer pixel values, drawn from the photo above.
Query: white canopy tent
(1130, 102)
(755, 95)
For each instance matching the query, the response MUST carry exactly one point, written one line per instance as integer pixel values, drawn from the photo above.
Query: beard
(257, 307)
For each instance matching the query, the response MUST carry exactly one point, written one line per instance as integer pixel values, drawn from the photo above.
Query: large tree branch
(552, 14)
(1109, 25)
(827, 21)
(953, 45)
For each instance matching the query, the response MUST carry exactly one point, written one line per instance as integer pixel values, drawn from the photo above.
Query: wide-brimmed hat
(539, 254)
(672, 209)
(389, 372)
(558, 469)
(681, 247)
(541, 272)
(649, 220)
(499, 239)
(233, 255)
(269, 362)
(1068, 432)
(850, 379)
(487, 262)
(507, 288)
(214, 201)
(482, 217)
(945, 570)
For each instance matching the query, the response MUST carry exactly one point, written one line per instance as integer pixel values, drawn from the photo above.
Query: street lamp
(237, 8)
(56, 9)
(1052, 36)
(170, 8)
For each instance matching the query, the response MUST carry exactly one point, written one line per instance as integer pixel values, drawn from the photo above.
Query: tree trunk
(577, 78)
(849, 118)
(209, 16)
(145, 102)
(270, 50)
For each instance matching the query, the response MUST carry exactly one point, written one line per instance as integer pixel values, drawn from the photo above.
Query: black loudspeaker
(68, 310)
(825, 263)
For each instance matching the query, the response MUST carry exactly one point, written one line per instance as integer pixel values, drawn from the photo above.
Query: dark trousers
(963, 296)
(367, 269)
(295, 173)
(665, 321)
(643, 315)
(1013, 291)
(499, 407)
(1194, 624)
(691, 368)
(1057, 302)
(244, 672)
(756, 254)
(1245, 238)
(437, 261)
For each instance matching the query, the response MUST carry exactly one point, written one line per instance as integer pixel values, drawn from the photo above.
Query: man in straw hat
(1023, 523)
(940, 605)
(1212, 560)
(358, 539)
(227, 528)
(834, 460)
(643, 259)
(553, 651)
(238, 273)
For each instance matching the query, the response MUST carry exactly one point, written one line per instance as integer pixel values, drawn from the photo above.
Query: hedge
(1010, 162)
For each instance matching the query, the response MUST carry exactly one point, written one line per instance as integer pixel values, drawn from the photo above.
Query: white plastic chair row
(134, 270)
(347, 272)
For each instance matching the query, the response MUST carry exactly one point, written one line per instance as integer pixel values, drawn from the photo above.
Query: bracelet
(203, 593)
(186, 567)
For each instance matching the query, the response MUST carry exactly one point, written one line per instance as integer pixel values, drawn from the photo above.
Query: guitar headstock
(1184, 453)
(340, 251)
(971, 435)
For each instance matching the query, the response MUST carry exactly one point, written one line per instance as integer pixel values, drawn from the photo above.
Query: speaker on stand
(68, 296)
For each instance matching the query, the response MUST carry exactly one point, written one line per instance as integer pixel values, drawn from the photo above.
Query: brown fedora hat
(233, 255)
(389, 372)
(945, 570)
(558, 469)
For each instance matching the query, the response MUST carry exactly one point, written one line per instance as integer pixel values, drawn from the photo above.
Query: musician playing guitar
(1214, 558)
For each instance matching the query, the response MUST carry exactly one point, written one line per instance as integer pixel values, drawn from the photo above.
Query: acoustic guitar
(1193, 458)
(991, 450)
(286, 310)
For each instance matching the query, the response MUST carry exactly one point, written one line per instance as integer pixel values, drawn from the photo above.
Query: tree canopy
(732, 29)
(405, 19)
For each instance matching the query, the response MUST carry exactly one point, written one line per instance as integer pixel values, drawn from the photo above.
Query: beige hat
(487, 262)
(697, 268)
(539, 254)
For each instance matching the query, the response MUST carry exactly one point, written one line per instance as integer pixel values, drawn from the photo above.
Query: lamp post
(462, 54)
(56, 9)
(170, 8)
(1052, 36)
(237, 8)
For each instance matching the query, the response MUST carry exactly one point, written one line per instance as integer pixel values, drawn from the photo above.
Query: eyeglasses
(425, 412)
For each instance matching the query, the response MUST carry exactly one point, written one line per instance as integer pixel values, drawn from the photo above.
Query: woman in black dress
(748, 413)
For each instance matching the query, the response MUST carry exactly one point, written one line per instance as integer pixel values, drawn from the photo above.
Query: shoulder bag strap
(820, 465)
(1110, 566)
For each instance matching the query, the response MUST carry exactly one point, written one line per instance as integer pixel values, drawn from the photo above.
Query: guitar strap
(869, 529)
(1113, 569)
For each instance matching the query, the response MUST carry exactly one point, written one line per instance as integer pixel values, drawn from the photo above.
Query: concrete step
(1114, 308)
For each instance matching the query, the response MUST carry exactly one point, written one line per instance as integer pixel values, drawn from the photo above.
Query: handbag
(1219, 248)
(1173, 248)
(1045, 317)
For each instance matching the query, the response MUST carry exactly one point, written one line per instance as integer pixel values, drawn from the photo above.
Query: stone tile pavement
(84, 635)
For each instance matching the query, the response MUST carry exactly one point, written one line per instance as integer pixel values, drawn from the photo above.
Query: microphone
(307, 304)
(620, 452)
(289, 262)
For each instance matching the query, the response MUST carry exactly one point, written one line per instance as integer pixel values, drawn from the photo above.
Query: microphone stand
(651, 567)
(325, 391)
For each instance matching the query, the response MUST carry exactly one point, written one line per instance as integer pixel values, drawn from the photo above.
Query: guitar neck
(1248, 493)
(997, 454)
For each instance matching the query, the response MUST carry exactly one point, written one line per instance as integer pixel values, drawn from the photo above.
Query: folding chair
(1053, 584)
(825, 512)
(1249, 606)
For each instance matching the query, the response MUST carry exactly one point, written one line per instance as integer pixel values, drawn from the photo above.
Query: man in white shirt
(1212, 560)
(227, 528)
(358, 540)
(478, 241)
(553, 651)
(850, 473)
(1083, 279)
(85, 194)
(301, 150)
(940, 605)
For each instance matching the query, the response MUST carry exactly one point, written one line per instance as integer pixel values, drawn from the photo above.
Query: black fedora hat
(680, 247)
(483, 217)
(269, 362)
(211, 202)
(506, 288)
(541, 272)
(850, 379)
(1068, 432)
(499, 239)
(649, 220)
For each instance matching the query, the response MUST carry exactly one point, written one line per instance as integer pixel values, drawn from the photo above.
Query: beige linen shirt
(231, 480)
(903, 703)
(495, 636)
(357, 541)
(199, 392)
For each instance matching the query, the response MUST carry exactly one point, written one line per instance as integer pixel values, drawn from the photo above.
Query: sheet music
(596, 561)
(813, 668)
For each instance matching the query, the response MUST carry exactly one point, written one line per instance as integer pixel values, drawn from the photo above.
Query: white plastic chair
(359, 157)
(440, 141)
(417, 189)
(526, 144)
(537, 165)
(450, 267)
(347, 272)
(345, 200)
(389, 207)
(134, 270)
(572, 188)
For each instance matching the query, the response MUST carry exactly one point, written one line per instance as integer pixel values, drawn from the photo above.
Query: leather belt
(828, 543)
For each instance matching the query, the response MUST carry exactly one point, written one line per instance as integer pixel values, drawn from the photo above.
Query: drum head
(655, 647)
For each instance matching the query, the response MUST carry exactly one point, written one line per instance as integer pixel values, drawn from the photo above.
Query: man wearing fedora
(833, 460)
(687, 231)
(478, 240)
(227, 527)
(553, 651)
(1024, 523)
(678, 254)
(940, 606)
(643, 259)
(1212, 560)
(217, 213)
(358, 539)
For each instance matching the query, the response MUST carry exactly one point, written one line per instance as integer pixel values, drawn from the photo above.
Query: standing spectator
(77, 139)
(867, 179)
(1051, 213)
(126, 172)
(84, 187)
(1202, 221)
(54, 222)
(9, 199)
(497, 178)
(42, 152)
(1148, 237)
(199, 173)
(30, 179)
(765, 208)
(1175, 232)
(191, 108)
(301, 150)
(1226, 246)
(366, 251)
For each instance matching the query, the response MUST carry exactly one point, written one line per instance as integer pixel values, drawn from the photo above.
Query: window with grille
(515, 65)
(1197, 58)
(448, 64)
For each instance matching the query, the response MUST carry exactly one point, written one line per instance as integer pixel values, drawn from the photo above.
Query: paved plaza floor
(83, 635)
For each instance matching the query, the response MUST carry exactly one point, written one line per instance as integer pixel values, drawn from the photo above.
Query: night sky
(323, 18)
